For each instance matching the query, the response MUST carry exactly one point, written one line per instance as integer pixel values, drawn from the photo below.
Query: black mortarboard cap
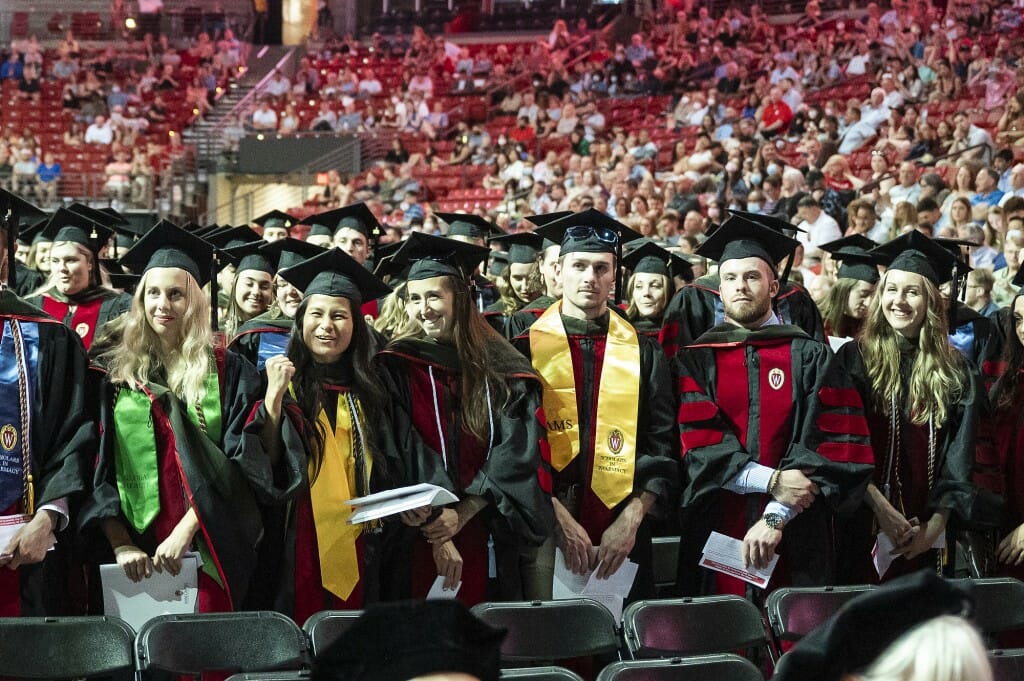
(115, 217)
(954, 246)
(14, 210)
(650, 258)
(741, 236)
(522, 247)
(97, 215)
(469, 225)
(275, 218)
(248, 257)
(498, 264)
(289, 252)
(167, 245)
(433, 256)
(67, 225)
(406, 640)
(915, 252)
(589, 231)
(119, 277)
(231, 237)
(335, 273)
(865, 626)
(542, 219)
(355, 216)
(854, 260)
(34, 233)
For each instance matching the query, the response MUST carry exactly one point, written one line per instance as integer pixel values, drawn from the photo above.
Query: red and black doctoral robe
(86, 312)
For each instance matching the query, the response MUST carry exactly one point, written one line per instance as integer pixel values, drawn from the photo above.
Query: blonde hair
(392, 319)
(936, 379)
(138, 357)
(632, 312)
(234, 317)
(51, 281)
(945, 648)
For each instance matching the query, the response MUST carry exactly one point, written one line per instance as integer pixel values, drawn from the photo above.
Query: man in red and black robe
(772, 446)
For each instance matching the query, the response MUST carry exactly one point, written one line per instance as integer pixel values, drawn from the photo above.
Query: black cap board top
(589, 231)
(468, 225)
(747, 236)
(248, 257)
(522, 247)
(649, 258)
(855, 262)
(231, 237)
(66, 225)
(917, 253)
(355, 216)
(34, 233)
(167, 245)
(335, 273)
(289, 252)
(431, 256)
(275, 218)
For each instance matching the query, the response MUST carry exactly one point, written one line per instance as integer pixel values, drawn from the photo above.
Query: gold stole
(334, 485)
(617, 403)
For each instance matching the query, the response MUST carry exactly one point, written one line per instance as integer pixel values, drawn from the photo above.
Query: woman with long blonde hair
(187, 446)
(920, 398)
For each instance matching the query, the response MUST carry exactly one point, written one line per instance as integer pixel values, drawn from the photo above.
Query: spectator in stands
(1016, 188)
(775, 115)
(326, 119)
(278, 86)
(264, 117)
(118, 174)
(986, 185)
(142, 177)
(65, 67)
(23, 172)
(979, 292)
(99, 132)
(289, 123)
(12, 68)
(48, 175)
(422, 83)
(369, 85)
(819, 228)
(30, 83)
(167, 81)
(908, 189)
(967, 135)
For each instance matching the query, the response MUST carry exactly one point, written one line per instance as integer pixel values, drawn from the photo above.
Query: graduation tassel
(213, 292)
(12, 223)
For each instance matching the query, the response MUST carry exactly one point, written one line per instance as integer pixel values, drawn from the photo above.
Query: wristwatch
(774, 521)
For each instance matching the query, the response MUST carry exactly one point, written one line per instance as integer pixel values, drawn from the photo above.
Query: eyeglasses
(603, 234)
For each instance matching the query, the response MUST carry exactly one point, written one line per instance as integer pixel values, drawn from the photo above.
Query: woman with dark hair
(75, 292)
(463, 413)
(652, 283)
(921, 402)
(325, 562)
(846, 307)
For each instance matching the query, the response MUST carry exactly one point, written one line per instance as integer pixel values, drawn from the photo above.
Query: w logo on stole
(8, 437)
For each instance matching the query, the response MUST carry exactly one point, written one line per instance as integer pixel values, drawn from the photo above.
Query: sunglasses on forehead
(603, 234)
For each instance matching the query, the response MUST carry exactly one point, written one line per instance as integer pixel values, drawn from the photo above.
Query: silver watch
(773, 520)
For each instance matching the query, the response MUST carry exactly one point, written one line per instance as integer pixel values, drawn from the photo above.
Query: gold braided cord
(27, 491)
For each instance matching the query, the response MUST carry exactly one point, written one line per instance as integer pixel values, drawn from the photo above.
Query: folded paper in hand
(393, 501)
(162, 594)
(611, 592)
(725, 554)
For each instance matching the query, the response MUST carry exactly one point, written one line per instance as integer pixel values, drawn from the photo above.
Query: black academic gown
(647, 326)
(520, 322)
(423, 380)
(766, 397)
(953, 488)
(84, 313)
(697, 308)
(224, 480)
(63, 444)
(28, 279)
(976, 338)
(657, 452)
(262, 337)
(497, 316)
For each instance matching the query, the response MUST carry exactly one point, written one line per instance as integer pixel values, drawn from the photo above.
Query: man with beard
(771, 444)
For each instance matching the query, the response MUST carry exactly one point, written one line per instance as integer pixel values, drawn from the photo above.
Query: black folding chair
(725, 667)
(283, 675)
(66, 648)
(325, 627)
(233, 641)
(998, 604)
(1007, 665)
(548, 631)
(674, 627)
(541, 674)
(793, 612)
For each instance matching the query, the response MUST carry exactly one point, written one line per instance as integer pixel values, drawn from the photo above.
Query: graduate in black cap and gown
(34, 272)
(47, 441)
(698, 307)
(922, 402)
(276, 225)
(772, 444)
(846, 306)
(325, 562)
(473, 229)
(651, 284)
(252, 291)
(521, 280)
(520, 321)
(463, 416)
(75, 293)
(977, 337)
(607, 408)
(267, 335)
(189, 440)
(355, 230)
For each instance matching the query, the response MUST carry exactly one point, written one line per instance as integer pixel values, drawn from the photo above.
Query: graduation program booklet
(162, 594)
(609, 592)
(725, 554)
(394, 501)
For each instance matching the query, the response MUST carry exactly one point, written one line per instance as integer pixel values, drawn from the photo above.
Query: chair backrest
(793, 612)
(692, 626)
(65, 647)
(233, 641)
(725, 667)
(998, 604)
(325, 627)
(665, 560)
(551, 630)
(1007, 665)
(541, 674)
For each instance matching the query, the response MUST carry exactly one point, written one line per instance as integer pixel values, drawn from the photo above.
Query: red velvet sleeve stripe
(544, 479)
(687, 384)
(854, 424)
(700, 437)
(846, 452)
(840, 397)
(693, 412)
(667, 338)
